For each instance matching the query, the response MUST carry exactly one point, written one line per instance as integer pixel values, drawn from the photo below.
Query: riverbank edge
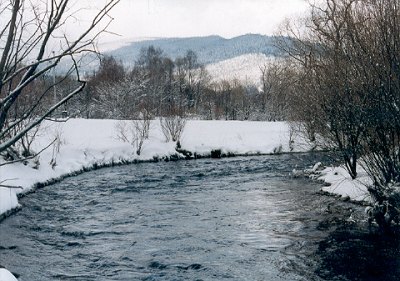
(340, 197)
(178, 156)
(321, 177)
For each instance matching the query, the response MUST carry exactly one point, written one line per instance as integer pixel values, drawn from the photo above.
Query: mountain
(209, 49)
(245, 68)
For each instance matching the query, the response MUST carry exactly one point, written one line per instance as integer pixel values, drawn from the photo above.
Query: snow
(5, 275)
(85, 143)
(245, 68)
(339, 182)
(236, 137)
(8, 199)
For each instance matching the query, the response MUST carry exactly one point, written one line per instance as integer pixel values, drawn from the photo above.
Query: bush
(348, 86)
(172, 127)
(134, 132)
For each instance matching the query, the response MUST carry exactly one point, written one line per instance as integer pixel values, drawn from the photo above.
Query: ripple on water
(226, 219)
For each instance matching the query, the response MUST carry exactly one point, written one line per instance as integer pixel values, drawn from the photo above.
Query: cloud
(180, 18)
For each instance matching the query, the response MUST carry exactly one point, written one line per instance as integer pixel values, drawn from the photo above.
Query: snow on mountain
(209, 49)
(245, 68)
(239, 57)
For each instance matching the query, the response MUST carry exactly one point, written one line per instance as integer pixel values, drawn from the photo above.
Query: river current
(240, 218)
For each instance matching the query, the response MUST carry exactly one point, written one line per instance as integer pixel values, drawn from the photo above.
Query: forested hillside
(210, 49)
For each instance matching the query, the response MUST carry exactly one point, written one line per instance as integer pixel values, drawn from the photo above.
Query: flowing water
(229, 219)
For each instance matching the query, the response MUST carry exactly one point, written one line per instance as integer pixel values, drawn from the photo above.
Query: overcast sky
(182, 18)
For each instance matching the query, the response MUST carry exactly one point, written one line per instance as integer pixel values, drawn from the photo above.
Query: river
(239, 218)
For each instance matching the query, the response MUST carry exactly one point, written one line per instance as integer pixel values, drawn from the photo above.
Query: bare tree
(121, 100)
(191, 77)
(277, 83)
(135, 132)
(347, 90)
(29, 54)
(172, 127)
(328, 97)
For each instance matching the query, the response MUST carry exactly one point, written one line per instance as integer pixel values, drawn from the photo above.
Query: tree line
(182, 87)
(33, 88)
(344, 64)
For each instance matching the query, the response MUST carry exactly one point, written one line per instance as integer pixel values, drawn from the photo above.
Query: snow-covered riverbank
(87, 143)
(5, 275)
(339, 182)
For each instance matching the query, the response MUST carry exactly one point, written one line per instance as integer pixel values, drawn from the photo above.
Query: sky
(145, 19)
(184, 18)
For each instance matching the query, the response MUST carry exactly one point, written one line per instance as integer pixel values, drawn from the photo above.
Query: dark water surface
(229, 219)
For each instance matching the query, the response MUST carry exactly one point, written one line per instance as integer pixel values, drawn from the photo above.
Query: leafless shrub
(23, 147)
(56, 146)
(348, 86)
(135, 132)
(172, 127)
